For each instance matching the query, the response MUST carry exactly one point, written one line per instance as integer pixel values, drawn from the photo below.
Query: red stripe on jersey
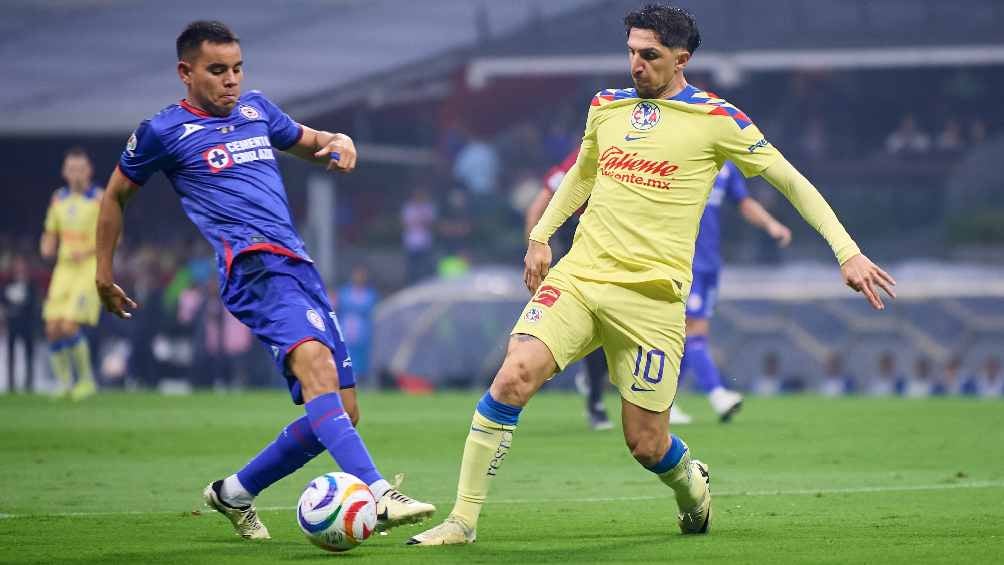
(200, 113)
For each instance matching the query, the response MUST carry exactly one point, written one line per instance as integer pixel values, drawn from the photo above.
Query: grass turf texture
(800, 479)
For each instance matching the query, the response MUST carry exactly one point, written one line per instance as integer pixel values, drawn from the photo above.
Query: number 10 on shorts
(650, 357)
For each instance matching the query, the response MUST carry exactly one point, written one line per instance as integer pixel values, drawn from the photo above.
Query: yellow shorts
(641, 328)
(73, 295)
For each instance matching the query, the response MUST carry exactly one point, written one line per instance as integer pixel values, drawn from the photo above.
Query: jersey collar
(200, 113)
(686, 94)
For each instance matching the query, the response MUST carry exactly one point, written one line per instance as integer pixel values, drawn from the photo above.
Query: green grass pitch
(800, 479)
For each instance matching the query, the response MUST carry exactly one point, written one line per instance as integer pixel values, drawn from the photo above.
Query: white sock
(379, 488)
(233, 492)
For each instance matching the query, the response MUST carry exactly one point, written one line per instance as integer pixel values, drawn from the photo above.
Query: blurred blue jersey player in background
(217, 148)
(729, 185)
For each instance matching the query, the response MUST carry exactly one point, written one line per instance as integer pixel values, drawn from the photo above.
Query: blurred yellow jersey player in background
(72, 300)
(648, 158)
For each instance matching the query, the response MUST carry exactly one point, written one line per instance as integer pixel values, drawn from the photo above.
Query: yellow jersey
(73, 216)
(647, 167)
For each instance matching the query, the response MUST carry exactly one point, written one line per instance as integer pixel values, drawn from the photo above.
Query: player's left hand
(342, 152)
(866, 277)
(780, 233)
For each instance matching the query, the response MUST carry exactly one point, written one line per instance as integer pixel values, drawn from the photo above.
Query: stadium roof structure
(740, 37)
(101, 66)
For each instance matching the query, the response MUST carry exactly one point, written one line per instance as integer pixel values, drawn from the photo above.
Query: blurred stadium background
(891, 107)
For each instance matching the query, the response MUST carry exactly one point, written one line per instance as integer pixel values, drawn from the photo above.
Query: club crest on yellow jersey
(645, 115)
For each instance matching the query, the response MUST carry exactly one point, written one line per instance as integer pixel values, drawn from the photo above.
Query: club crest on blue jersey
(315, 319)
(249, 112)
(131, 145)
(645, 116)
(218, 158)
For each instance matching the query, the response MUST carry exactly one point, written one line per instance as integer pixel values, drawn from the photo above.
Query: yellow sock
(688, 491)
(487, 445)
(80, 353)
(59, 359)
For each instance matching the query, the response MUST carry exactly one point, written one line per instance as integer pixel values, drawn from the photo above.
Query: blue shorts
(284, 302)
(703, 295)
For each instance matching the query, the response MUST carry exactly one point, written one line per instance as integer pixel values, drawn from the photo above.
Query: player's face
(77, 172)
(654, 66)
(213, 77)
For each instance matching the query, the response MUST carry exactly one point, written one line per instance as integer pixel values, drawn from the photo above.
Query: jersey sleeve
(740, 141)
(144, 154)
(735, 189)
(283, 132)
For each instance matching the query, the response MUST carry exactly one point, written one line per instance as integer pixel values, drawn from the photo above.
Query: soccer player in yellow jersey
(72, 301)
(647, 162)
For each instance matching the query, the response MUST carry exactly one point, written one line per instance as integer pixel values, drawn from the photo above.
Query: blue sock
(677, 449)
(498, 412)
(697, 354)
(292, 449)
(334, 429)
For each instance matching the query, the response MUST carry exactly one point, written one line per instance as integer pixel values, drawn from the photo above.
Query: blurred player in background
(729, 184)
(216, 149)
(703, 293)
(72, 300)
(647, 162)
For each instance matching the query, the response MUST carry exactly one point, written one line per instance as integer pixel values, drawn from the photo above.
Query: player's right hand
(867, 278)
(536, 264)
(115, 300)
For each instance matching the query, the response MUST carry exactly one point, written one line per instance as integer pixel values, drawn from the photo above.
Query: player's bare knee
(315, 369)
(510, 386)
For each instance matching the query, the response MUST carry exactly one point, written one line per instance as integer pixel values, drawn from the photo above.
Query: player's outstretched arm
(858, 271)
(335, 150)
(120, 189)
(754, 213)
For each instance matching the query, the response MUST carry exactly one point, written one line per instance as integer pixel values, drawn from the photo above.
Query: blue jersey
(225, 171)
(728, 184)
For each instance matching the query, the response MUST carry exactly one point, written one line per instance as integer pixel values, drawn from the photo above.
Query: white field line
(794, 492)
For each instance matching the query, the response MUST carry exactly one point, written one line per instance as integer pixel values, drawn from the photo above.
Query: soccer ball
(337, 512)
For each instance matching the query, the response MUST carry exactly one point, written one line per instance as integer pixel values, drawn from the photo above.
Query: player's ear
(682, 58)
(185, 72)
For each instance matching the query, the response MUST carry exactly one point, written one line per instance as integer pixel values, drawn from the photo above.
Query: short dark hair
(77, 151)
(675, 27)
(203, 30)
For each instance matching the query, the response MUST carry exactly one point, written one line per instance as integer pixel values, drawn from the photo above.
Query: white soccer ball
(337, 511)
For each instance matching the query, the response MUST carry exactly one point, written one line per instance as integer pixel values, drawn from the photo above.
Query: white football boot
(726, 403)
(453, 531)
(396, 508)
(679, 417)
(245, 519)
(697, 520)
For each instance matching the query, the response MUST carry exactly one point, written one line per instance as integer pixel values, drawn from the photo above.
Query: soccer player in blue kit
(729, 185)
(216, 148)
